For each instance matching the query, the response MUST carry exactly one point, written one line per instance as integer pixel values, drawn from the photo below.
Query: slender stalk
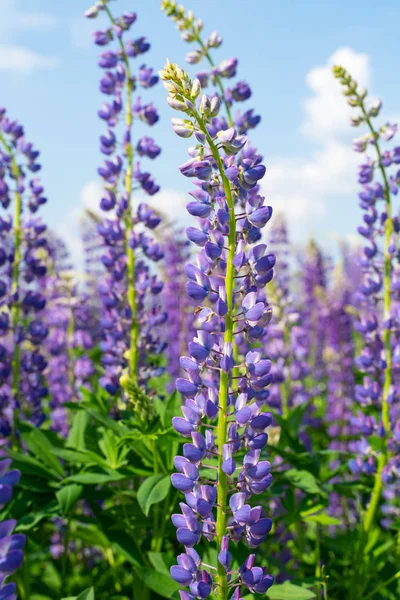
(130, 264)
(217, 79)
(15, 310)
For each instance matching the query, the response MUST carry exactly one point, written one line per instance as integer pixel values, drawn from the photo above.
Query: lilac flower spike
(11, 546)
(131, 313)
(224, 392)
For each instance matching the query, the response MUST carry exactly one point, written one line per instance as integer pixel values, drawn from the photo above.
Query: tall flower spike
(379, 321)
(131, 313)
(11, 546)
(224, 392)
(24, 254)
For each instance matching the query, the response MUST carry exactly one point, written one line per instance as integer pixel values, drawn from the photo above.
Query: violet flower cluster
(11, 545)
(131, 314)
(379, 316)
(224, 393)
(24, 252)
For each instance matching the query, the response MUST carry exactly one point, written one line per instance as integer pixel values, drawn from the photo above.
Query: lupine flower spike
(224, 393)
(131, 314)
(379, 321)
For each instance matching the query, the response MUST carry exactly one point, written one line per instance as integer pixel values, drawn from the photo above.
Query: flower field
(203, 411)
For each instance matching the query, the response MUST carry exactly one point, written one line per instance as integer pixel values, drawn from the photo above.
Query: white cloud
(90, 196)
(13, 56)
(23, 60)
(327, 112)
(302, 189)
(171, 204)
(13, 19)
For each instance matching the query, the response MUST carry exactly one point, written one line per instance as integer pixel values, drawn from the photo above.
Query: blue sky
(49, 81)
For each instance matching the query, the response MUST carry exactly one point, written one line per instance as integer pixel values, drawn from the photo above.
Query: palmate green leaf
(153, 490)
(68, 496)
(288, 591)
(39, 445)
(162, 584)
(31, 466)
(303, 480)
(30, 520)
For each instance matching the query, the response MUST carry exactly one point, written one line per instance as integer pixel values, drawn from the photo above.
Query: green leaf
(80, 457)
(92, 535)
(153, 490)
(162, 584)
(68, 496)
(322, 519)
(76, 438)
(96, 478)
(85, 595)
(33, 518)
(288, 591)
(42, 448)
(157, 560)
(31, 466)
(303, 480)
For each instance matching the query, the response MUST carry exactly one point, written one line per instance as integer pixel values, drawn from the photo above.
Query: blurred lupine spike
(379, 316)
(23, 272)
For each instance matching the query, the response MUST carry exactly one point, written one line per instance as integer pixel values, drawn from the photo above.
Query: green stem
(317, 561)
(217, 79)
(130, 265)
(382, 585)
(15, 310)
(222, 429)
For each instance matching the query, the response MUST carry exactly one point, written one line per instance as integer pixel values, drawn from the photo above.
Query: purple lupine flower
(378, 300)
(131, 314)
(69, 321)
(11, 545)
(179, 329)
(23, 269)
(218, 386)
